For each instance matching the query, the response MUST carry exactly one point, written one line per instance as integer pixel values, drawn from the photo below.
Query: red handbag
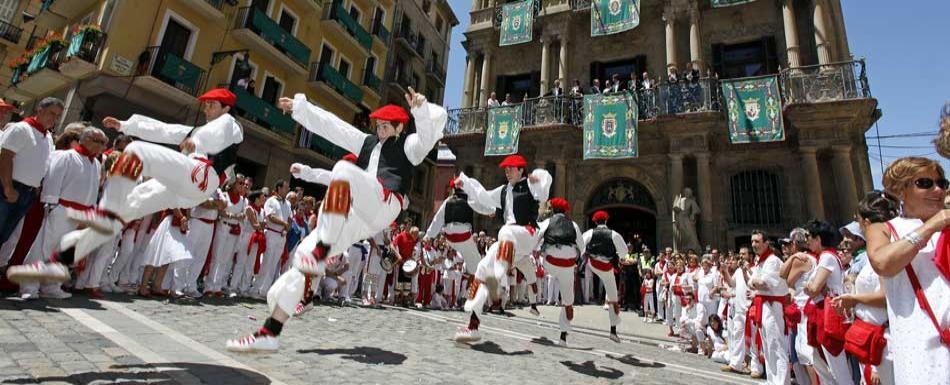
(815, 325)
(866, 342)
(832, 334)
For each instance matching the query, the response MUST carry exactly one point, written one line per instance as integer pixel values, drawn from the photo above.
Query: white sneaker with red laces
(38, 272)
(96, 220)
(467, 335)
(253, 343)
(302, 308)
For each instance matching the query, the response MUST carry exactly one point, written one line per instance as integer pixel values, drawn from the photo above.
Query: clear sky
(908, 66)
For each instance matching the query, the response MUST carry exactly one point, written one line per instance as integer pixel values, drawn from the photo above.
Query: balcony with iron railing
(335, 80)
(823, 83)
(10, 32)
(211, 9)
(338, 14)
(435, 70)
(371, 81)
(804, 85)
(175, 71)
(82, 56)
(256, 28)
(410, 40)
(262, 112)
(580, 5)
(321, 146)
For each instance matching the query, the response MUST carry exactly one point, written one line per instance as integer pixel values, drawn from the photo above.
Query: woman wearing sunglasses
(910, 253)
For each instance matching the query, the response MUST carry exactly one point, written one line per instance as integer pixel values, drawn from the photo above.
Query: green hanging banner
(504, 129)
(755, 110)
(610, 126)
(728, 3)
(608, 17)
(517, 23)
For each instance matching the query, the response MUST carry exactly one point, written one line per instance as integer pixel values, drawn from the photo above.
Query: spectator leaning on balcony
(557, 91)
(576, 89)
(595, 87)
(507, 101)
(614, 84)
(23, 159)
(492, 100)
(671, 75)
(647, 83)
(632, 83)
(691, 74)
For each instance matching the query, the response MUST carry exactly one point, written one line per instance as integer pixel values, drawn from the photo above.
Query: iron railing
(10, 32)
(371, 80)
(580, 5)
(436, 69)
(380, 31)
(87, 45)
(174, 70)
(824, 83)
(257, 21)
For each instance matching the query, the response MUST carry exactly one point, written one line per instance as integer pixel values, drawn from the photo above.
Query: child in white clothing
(646, 292)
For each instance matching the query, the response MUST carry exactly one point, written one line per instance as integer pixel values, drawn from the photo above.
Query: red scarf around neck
(36, 125)
(942, 254)
(85, 152)
(234, 197)
(764, 256)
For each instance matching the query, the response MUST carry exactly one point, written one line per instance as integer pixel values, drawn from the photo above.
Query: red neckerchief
(299, 219)
(85, 152)
(235, 198)
(257, 208)
(36, 125)
(108, 152)
(763, 257)
(692, 269)
(663, 264)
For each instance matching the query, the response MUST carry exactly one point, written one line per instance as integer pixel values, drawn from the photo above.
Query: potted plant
(18, 65)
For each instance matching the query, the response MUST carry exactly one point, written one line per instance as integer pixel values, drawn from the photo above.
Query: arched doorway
(631, 207)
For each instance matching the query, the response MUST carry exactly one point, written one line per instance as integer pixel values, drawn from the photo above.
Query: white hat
(853, 228)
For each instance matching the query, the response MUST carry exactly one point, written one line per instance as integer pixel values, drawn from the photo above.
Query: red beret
(223, 95)
(452, 183)
(391, 113)
(4, 106)
(560, 204)
(351, 157)
(601, 216)
(515, 160)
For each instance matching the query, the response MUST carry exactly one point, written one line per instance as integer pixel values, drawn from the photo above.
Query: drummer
(405, 243)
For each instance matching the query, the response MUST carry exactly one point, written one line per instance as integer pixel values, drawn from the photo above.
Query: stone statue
(685, 211)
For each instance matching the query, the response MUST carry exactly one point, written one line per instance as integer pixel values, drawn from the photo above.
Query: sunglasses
(928, 183)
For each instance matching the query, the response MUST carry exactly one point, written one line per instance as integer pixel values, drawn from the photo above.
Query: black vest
(457, 209)
(560, 231)
(523, 203)
(602, 243)
(395, 169)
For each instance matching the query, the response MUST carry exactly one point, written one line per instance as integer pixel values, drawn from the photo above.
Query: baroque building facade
(820, 170)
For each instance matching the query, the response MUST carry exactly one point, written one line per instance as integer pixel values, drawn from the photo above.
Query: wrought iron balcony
(86, 45)
(10, 32)
(329, 75)
(434, 68)
(580, 5)
(370, 80)
(254, 19)
(352, 26)
(262, 112)
(380, 31)
(175, 71)
(825, 83)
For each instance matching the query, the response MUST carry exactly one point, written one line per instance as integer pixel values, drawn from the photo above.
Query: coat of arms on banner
(754, 106)
(503, 131)
(610, 126)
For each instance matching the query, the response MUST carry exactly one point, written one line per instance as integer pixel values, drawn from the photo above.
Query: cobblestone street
(114, 341)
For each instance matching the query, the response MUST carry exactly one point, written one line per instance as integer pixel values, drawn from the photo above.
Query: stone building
(820, 170)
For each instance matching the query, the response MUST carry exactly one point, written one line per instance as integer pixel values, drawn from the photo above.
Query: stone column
(844, 180)
(816, 207)
(560, 179)
(704, 196)
(670, 39)
(791, 34)
(545, 64)
(695, 42)
(467, 90)
(486, 75)
(822, 37)
(562, 65)
(72, 107)
(676, 174)
(476, 84)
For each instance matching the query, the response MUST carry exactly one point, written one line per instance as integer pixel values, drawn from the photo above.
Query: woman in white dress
(904, 252)
(797, 271)
(168, 245)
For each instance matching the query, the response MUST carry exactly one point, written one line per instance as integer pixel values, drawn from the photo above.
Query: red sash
(459, 237)
(754, 319)
(260, 240)
(560, 262)
(73, 205)
(601, 265)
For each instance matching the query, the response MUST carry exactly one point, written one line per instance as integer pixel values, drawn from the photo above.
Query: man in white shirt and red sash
(604, 248)
(276, 223)
(768, 310)
(517, 203)
(71, 182)
(178, 179)
(454, 220)
(372, 191)
(227, 236)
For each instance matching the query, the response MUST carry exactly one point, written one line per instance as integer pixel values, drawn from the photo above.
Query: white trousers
(648, 309)
(353, 274)
(187, 271)
(565, 278)
(242, 274)
(120, 271)
(6, 251)
(840, 368)
(222, 257)
(55, 226)
(587, 284)
(469, 252)
(269, 262)
(775, 344)
(737, 348)
(610, 291)
(92, 276)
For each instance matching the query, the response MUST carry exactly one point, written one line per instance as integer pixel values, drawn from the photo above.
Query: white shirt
(430, 121)
(32, 150)
(312, 175)
(739, 301)
(561, 251)
(438, 221)
(72, 177)
(768, 272)
(868, 282)
(475, 191)
(835, 282)
(233, 208)
(211, 138)
(619, 244)
(279, 208)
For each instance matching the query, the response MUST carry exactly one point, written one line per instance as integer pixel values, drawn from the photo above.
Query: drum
(388, 260)
(410, 267)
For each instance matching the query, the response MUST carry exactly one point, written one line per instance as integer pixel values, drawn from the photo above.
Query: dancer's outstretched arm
(438, 221)
(477, 193)
(430, 123)
(324, 123)
(310, 174)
